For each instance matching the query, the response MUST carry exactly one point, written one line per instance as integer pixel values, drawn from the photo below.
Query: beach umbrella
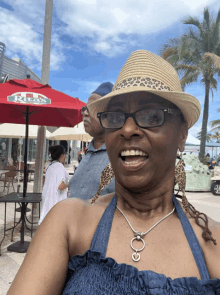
(8, 130)
(27, 101)
(75, 133)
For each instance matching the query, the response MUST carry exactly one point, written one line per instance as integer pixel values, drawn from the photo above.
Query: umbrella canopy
(75, 133)
(47, 107)
(18, 131)
(27, 101)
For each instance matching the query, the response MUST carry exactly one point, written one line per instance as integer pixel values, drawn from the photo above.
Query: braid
(189, 208)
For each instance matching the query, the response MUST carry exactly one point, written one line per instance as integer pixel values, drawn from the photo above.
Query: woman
(56, 180)
(138, 241)
(207, 157)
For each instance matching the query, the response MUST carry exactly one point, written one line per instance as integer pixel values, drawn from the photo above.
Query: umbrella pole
(19, 165)
(25, 153)
(22, 246)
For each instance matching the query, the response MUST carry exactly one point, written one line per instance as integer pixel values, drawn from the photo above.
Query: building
(14, 68)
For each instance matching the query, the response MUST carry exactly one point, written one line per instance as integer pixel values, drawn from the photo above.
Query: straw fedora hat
(146, 71)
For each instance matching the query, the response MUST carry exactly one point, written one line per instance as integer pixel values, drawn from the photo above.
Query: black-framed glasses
(83, 109)
(146, 118)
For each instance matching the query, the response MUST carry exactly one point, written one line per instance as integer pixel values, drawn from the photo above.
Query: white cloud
(22, 32)
(108, 25)
(95, 26)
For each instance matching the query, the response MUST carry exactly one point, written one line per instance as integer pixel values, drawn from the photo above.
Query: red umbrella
(30, 102)
(27, 101)
(47, 107)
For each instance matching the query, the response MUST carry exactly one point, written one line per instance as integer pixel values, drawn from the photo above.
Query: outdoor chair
(8, 178)
(21, 171)
(10, 162)
(31, 171)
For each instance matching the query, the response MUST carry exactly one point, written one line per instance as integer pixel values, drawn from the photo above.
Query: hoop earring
(106, 176)
(180, 179)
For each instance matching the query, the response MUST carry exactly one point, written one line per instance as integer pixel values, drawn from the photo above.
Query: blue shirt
(85, 181)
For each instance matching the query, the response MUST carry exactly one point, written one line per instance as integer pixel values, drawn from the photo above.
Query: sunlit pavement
(10, 262)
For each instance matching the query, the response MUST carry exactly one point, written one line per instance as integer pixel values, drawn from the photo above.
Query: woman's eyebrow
(116, 105)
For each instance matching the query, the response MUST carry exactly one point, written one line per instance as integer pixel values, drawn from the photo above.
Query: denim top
(94, 274)
(85, 181)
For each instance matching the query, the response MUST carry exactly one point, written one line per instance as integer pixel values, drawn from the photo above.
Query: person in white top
(56, 180)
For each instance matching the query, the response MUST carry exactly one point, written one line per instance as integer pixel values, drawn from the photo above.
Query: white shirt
(55, 174)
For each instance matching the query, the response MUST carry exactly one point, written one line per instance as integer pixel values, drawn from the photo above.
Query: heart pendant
(136, 256)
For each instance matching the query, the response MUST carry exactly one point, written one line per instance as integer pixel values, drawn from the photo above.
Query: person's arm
(44, 268)
(63, 186)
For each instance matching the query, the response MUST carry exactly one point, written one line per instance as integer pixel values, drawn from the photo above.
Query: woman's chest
(163, 250)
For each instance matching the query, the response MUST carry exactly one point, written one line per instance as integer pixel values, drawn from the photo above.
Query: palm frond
(189, 78)
(217, 48)
(215, 123)
(215, 129)
(193, 35)
(169, 52)
(212, 93)
(213, 83)
(215, 38)
(206, 17)
(217, 22)
(170, 44)
(187, 68)
(215, 59)
(193, 21)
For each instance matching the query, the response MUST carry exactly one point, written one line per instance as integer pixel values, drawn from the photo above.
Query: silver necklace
(139, 235)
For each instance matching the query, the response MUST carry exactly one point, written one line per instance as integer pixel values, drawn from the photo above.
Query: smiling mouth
(133, 158)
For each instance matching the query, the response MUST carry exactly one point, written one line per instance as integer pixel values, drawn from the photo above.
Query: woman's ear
(182, 136)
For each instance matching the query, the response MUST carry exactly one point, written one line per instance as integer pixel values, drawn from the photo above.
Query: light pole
(41, 137)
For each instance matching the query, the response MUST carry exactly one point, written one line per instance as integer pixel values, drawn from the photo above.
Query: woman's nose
(130, 129)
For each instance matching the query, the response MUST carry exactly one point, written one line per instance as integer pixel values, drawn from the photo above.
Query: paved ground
(10, 262)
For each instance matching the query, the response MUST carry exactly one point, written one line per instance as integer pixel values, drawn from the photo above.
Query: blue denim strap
(101, 236)
(193, 241)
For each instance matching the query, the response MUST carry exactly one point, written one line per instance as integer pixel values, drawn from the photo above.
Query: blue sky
(92, 39)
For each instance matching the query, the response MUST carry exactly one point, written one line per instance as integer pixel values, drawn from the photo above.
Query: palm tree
(215, 123)
(208, 136)
(196, 55)
(216, 136)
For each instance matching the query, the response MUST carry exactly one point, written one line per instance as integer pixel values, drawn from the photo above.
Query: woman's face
(158, 145)
(62, 159)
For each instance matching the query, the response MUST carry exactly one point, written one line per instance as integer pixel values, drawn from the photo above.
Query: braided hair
(190, 209)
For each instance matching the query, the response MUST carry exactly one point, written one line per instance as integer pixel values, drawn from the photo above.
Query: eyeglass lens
(83, 109)
(144, 118)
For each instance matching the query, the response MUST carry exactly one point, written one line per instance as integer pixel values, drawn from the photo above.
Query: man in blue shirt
(85, 181)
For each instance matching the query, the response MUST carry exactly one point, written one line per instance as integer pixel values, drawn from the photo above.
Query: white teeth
(131, 163)
(133, 153)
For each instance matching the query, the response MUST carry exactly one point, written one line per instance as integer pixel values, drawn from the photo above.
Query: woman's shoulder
(211, 249)
(79, 205)
(81, 217)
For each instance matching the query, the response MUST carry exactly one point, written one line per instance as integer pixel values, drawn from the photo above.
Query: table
(3, 171)
(30, 163)
(20, 246)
